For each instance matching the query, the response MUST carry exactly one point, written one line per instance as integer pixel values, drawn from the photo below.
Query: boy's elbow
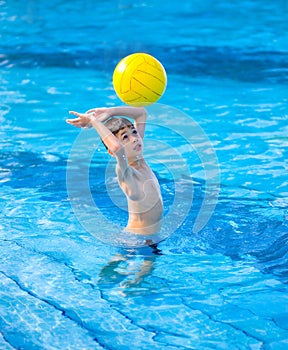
(143, 112)
(116, 148)
(113, 145)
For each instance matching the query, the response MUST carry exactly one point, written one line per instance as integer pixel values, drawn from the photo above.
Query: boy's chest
(147, 182)
(145, 174)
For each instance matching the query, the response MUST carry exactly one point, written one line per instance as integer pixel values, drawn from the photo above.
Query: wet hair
(117, 124)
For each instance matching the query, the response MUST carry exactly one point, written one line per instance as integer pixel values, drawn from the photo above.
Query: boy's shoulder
(124, 173)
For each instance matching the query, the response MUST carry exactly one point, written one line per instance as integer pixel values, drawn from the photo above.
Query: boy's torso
(145, 213)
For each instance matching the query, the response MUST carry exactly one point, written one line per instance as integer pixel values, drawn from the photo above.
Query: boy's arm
(124, 172)
(84, 119)
(139, 115)
(96, 119)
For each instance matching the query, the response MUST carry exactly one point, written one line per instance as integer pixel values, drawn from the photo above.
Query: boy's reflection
(128, 268)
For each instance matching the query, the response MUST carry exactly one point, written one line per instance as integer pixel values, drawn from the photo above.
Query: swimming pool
(224, 287)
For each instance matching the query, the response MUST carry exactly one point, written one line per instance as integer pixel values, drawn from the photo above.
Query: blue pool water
(222, 285)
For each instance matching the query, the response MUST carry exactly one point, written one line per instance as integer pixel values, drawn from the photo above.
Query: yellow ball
(139, 80)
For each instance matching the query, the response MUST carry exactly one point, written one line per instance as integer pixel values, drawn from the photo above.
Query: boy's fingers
(74, 119)
(74, 113)
(78, 114)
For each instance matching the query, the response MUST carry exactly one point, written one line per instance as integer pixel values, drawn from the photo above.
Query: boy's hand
(100, 114)
(84, 120)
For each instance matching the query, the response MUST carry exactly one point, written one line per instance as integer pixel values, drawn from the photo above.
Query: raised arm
(138, 114)
(95, 119)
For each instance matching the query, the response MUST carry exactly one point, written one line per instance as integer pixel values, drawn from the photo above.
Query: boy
(124, 141)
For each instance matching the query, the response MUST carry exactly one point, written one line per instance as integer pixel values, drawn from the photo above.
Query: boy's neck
(136, 162)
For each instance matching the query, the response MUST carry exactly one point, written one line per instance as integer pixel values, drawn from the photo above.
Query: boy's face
(131, 140)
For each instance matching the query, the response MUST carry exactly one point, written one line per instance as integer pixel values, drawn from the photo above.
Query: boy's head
(117, 124)
(125, 131)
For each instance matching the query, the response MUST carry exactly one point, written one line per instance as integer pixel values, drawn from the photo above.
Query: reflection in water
(128, 269)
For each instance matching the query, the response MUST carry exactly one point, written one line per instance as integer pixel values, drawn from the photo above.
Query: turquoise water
(222, 287)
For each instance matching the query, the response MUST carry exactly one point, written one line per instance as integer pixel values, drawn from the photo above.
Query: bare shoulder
(124, 172)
